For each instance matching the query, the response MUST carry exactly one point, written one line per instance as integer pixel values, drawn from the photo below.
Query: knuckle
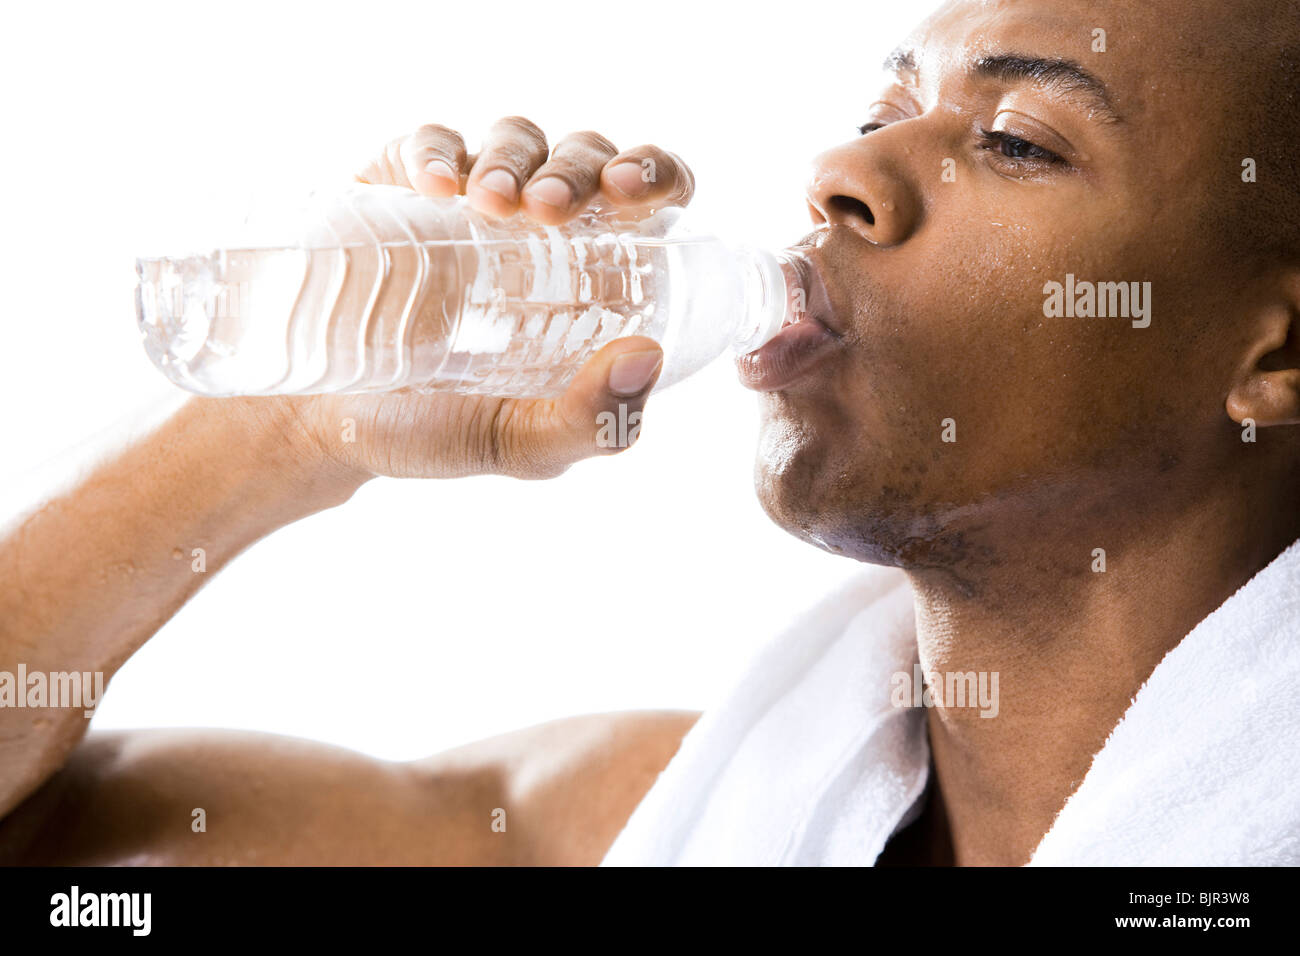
(489, 441)
(581, 177)
(438, 131)
(522, 123)
(506, 156)
(520, 444)
(586, 142)
(649, 151)
(520, 128)
(437, 141)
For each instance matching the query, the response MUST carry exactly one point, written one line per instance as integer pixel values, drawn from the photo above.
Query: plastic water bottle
(384, 289)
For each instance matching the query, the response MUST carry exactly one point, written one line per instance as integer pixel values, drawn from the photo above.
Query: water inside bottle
(502, 317)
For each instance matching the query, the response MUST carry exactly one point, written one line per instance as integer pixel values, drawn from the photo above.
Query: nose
(855, 185)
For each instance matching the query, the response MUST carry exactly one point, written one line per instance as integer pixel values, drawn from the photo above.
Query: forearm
(90, 574)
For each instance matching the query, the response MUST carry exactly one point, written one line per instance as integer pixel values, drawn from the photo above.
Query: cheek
(946, 370)
(956, 386)
(965, 332)
(950, 393)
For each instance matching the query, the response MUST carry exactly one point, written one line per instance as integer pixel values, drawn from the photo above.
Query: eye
(1015, 148)
(866, 128)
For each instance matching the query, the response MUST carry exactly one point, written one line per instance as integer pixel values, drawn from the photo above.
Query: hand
(582, 169)
(445, 435)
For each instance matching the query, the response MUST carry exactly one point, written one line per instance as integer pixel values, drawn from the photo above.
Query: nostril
(847, 206)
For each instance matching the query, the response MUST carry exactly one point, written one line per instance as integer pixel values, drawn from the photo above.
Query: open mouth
(805, 337)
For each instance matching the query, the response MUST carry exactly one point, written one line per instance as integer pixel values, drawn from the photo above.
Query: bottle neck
(770, 280)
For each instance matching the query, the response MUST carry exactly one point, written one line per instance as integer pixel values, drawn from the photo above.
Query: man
(1065, 484)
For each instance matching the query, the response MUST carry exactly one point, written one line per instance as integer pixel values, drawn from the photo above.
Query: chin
(791, 474)
(827, 505)
(876, 531)
(793, 497)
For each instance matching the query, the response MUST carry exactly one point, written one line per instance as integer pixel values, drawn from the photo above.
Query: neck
(1071, 644)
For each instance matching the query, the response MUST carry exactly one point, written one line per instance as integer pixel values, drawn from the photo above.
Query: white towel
(807, 761)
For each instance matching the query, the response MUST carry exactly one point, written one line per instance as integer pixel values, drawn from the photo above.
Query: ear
(1267, 390)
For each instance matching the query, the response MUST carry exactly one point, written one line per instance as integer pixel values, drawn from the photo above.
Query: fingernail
(626, 178)
(441, 169)
(631, 373)
(551, 190)
(500, 182)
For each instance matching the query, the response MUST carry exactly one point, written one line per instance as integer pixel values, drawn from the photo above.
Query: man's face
(991, 168)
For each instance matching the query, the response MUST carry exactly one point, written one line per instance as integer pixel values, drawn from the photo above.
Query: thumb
(600, 412)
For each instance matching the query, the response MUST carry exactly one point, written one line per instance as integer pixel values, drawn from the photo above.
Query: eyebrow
(1059, 75)
(1064, 76)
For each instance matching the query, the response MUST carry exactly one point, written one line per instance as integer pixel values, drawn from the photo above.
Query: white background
(422, 614)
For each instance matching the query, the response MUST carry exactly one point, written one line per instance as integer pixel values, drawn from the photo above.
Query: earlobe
(1267, 390)
(1267, 398)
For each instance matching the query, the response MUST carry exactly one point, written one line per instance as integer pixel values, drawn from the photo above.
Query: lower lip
(787, 357)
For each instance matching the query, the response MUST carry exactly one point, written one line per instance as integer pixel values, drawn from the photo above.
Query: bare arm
(91, 573)
(556, 794)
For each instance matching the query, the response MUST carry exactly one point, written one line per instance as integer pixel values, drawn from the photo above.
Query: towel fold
(808, 762)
